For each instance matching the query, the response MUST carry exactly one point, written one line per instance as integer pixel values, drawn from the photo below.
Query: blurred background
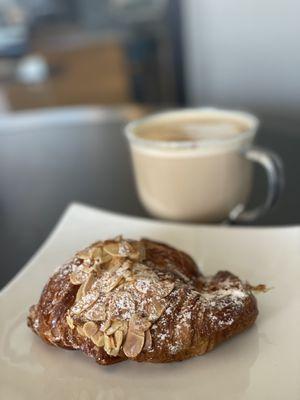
(81, 69)
(107, 52)
(160, 53)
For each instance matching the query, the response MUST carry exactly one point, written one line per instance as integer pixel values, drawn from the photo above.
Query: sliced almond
(118, 339)
(105, 325)
(79, 293)
(80, 331)
(98, 339)
(139, 324)
(87, 285)
(165, 288)
(112, 249)
(143, 285)
(70, 321)
(160, 307)
(85, 302)
(98, 267)
(142, 251)
(124, 327)
(148, 341)
(134, 343)
(105, 258)
(128, 276)
(87, 263)
(155, 308)
(123, 268)
(96, 313)
(113, 328)
(108, 344)
(111, 346)
(142, 270)
(98, 255)
(125, 249)
(77, 278)
(114, 265)
(109, 284)
(90, 329)
(86, 268)
(84, 254)
(139, 252)
(97, 252)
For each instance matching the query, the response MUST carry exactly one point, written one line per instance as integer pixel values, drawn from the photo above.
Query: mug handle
(275, 176)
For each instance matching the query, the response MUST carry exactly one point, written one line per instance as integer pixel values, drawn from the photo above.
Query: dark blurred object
(13, 29)
(96, 52)
(151, 36)
(153, 46)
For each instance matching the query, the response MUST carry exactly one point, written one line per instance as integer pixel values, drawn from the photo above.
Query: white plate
(262, 363)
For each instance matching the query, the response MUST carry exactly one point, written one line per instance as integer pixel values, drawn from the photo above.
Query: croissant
(140, 300)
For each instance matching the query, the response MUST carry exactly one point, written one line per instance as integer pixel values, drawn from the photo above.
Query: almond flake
(138, 253)
(98, 267)
(125, 249)
(165, 288)
(113, 328)
(85, 302)
(148, 341)
(142, 270)
(80, 331)
(105, 258)
(86, 268)
(84, 254)
(70, 321)
(112, 249)
(90, 329)
(124, 327)
(111, 283)
(98, 339)
(133, 344)
(114, 265)
(85, 287)
(118, 335)
(111, 346)
(105, 325)
(108, 345)
(156, 308)
(139, 324)
(127, 275)
(123, 268)
(96, 312)
(96, 252)
(77, 278)
(79, 293)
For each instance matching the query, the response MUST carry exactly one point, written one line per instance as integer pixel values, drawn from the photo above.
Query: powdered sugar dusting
(124, 288)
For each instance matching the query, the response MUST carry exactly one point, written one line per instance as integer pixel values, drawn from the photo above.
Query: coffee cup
(197, 165)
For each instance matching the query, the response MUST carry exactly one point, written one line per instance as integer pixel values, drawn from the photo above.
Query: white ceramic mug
(207, 180)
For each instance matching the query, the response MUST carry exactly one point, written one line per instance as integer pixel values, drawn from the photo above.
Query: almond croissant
(140, 300)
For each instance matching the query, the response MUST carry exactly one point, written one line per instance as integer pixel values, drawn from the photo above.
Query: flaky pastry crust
(140, 300)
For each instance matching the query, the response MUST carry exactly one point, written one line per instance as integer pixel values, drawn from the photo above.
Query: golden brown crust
(197, 314)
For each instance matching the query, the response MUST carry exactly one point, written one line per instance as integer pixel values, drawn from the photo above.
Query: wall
(243, 53)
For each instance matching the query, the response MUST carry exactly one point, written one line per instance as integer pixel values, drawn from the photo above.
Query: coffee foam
(191, 129)
(199, 179)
